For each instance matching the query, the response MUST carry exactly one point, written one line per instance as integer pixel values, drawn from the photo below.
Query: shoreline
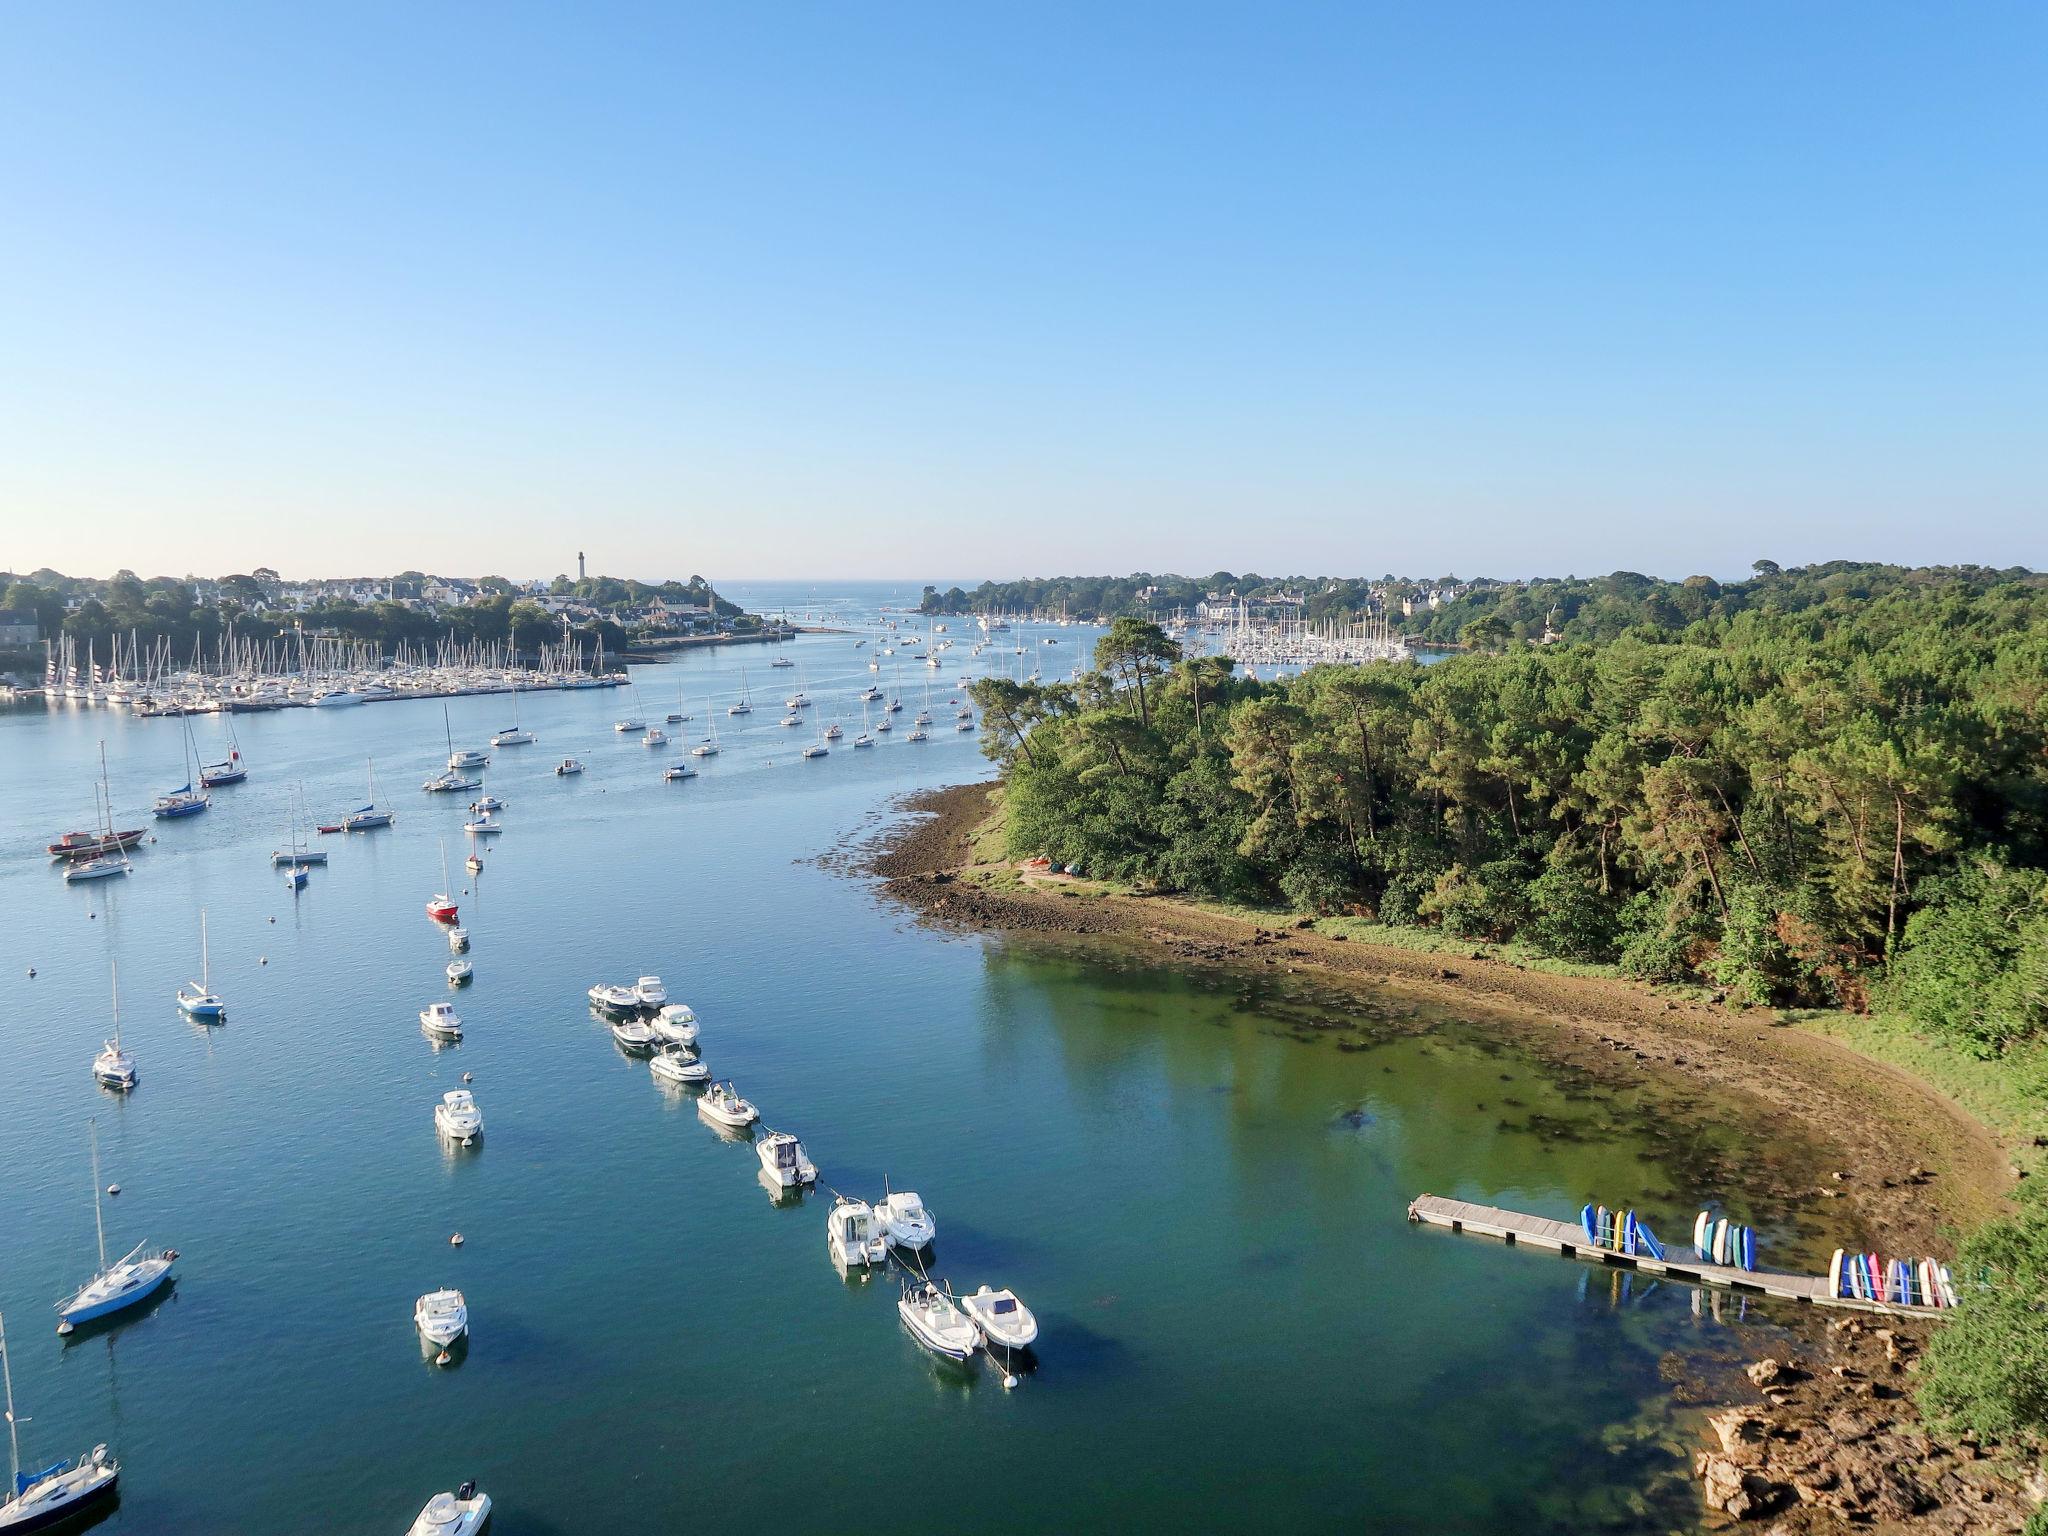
(1829, 1440)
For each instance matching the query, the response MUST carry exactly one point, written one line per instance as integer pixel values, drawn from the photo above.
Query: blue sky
(855, 290)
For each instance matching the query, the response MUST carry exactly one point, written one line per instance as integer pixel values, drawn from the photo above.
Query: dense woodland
(1830, 804)
(1483, 611)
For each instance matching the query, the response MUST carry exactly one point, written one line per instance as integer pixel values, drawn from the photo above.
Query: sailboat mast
(98, 1225)
(13, 1434)
(205, 967)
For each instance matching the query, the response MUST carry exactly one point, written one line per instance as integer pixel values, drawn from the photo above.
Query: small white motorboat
(724, 1105)
(459, 971)
(613, 999)
(465, 1512)
(635, 1034)
(905, 1221)
(935, 1322)
(676, 1024)
(655, 737)
(457, 1116)
(680, 1066)
(458, 939)
(483, 805)
(853, 1236)
(650, 992)
(567, 766)
(833, 733)
(441, 1021)
(784, 1160)
(442, 1317)
(1004, 1321)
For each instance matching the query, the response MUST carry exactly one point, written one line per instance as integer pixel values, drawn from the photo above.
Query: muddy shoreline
(1832, 1443)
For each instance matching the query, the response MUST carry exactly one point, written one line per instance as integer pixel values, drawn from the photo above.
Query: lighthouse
(579, 565)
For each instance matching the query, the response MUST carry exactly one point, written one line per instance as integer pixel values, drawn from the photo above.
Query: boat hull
(91, 1493)
(140, 1292)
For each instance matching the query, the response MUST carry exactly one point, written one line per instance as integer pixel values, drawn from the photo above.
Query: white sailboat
(370, 816)
(708, 747)
(465, 1512)
(113, 1286)
(513, 736)
(114, 860)
(114, 1067)
(57, 1493)
(196, 999)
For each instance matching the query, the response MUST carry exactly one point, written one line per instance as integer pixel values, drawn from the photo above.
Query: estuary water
(1198, 1181)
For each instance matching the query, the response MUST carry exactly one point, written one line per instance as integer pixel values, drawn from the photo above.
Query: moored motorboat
(655, 737)
(469, 757)
(613, 999)
(458, 939)
(484, 805)
(650, 992)
(935, 1321)
(1004, 1321)
(459, 972)
(724, 1105)
(458, 1117)
(634, 1034)
(465, 1512)
(676, 1024)
(784, 1160)
(441, 1021)
(853, 1235)
(680, 1065)
(442, 1317)
(567, 766)
(905, 1221)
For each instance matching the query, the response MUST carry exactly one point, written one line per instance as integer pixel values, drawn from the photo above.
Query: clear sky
(841, 289)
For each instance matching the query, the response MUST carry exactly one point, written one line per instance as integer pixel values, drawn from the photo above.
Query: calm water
(1197, 1181)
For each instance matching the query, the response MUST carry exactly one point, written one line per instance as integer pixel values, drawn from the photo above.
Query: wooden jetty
(1569, 1239)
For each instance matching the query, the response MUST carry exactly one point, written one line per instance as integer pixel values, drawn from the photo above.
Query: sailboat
(453, 779)
(440, 905)
(184, 800)
(56, 1493)
(117, 1285)
(745, 705)
(513, 736)
(708, 747)
(114, 1067)
(230, 771)
(109, 849)
(369, 816)
(196, 999)
(297, 854)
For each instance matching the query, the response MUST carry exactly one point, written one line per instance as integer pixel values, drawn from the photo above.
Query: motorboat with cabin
(485, 805)
(1004, 1321)
(650, 992)
(465, 1512)
(458, 939)
(441, 1021)
(724, 1105)
(655, 737)
(676, 1024)
(905, 1221)
(679, 1065)
(566, 767)
(457, 1116)
(469, 757)
(935, 1321)
(784, 1160)
(853, 1235)
(442, 1317)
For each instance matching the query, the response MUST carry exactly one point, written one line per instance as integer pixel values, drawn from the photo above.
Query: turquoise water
(1198, 1181)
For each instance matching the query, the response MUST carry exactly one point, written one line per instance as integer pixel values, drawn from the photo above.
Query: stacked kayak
(1717, 1240)
(1901, 1282)
(1619, 1231)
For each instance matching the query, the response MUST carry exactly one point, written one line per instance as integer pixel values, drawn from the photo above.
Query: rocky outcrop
(1840, 1447)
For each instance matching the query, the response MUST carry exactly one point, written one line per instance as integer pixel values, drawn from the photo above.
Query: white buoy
(31, 973)
(263, 959)
(466, 1077)
(1009, 1382)
(113, 1189)
(455, 1241)
(443, 1358)
(273, 919)
(63, 1329)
